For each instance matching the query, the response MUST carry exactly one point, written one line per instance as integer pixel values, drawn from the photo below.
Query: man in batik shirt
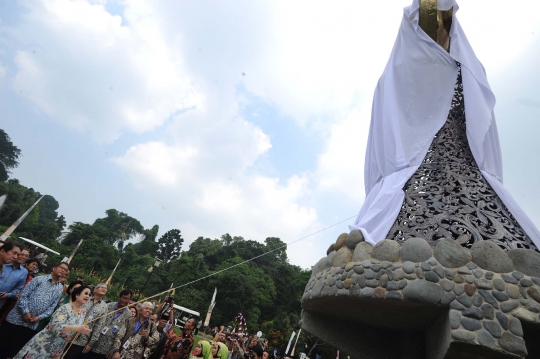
(36, 302)
(107, 328)
(139, 338)
(179, 346)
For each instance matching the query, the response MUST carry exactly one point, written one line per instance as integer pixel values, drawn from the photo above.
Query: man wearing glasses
(13, 277)
(36, 301)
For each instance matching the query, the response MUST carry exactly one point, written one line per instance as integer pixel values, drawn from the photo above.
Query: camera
(231, 337)
(169, 299)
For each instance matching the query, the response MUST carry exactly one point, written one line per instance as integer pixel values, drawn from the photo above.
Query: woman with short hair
(64, 324)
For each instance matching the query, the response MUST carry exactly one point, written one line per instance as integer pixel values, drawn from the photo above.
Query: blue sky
(244, 117)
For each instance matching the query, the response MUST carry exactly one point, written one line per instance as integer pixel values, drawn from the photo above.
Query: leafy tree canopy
(9, 155)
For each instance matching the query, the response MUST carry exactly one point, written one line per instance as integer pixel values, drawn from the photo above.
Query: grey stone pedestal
(410, 301)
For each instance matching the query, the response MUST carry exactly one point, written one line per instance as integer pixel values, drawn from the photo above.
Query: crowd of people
(44, 317)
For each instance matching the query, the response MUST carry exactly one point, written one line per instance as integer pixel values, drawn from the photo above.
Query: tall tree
(169, 245)
(148, 245)
(9, 155)
(117, 227)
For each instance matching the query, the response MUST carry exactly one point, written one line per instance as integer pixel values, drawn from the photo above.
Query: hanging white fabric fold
(411, 103)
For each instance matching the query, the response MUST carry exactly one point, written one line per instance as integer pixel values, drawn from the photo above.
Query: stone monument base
(412, 301)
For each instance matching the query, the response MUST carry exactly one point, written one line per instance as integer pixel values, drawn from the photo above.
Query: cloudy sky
(241, 117)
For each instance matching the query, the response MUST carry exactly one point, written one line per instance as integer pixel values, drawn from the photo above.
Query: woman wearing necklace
(138, 338)
(64, 324)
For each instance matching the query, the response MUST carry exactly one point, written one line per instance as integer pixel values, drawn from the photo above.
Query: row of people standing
(84, 325)
(76, 320)
(36, 301)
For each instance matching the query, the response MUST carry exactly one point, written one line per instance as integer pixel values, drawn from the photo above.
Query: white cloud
(210, 203)
(2, 71)
(93, 72)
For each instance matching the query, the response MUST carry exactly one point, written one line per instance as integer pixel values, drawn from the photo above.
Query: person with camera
(235, 351)
(179, 346)
(166, 308)
(164, 325)
(256, 352)
(138, 338)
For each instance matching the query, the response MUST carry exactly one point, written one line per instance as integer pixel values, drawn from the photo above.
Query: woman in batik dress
(64, 324)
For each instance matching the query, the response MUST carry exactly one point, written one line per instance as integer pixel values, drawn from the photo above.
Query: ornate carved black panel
(447, 197)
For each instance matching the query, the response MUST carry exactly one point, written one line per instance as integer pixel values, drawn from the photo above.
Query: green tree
(148, 245)
(9, 155)
(43, 222)
(117, 227)
(76, 232)
(169, 245)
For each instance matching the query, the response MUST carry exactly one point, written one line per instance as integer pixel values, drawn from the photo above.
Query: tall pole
(290, 341)
(151, 270)
(10, 230)
(313, 347)
(294, 347)
(210, 308)
(93, 267)
(2, 200)
(114, 270)
(74, 251)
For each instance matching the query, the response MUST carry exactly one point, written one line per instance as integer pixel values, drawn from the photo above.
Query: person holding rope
(107, 328)
(95, 307)
(64, 324)
(139, 338)
(164, 326)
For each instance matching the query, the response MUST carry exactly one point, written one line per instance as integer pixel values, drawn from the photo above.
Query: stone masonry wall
(488, 291)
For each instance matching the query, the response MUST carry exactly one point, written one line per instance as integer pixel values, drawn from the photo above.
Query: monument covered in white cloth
(441, 262)
(433, 164)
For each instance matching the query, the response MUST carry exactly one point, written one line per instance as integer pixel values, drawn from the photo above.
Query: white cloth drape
(410, 105)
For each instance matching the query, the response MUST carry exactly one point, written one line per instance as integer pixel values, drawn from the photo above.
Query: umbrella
(39, 245)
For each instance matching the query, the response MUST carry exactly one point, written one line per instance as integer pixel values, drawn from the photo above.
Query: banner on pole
(210, 308)
(290, 341)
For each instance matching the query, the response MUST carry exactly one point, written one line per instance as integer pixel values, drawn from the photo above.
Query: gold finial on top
(435, 23)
